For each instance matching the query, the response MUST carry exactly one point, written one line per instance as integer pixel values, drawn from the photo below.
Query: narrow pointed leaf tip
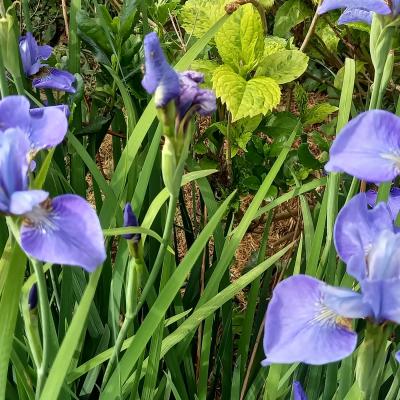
(300, 327)
(368, 147)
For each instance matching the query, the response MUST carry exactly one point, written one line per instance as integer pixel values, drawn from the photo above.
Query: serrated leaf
(207, 67)
(273, 44)
(318, 114)
(284, 66)
(290, 14)
(245, 98)
(240, 41)
(198, 16)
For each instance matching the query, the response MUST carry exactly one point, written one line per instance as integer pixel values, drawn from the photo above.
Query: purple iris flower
(63, 230)
(309, 321)
(130, 219)
(53, 78)
(39, 111)
(298, 391)
(46, 127)
(368, 147)
(355, 10)
(32, 54)
(393, 201)
(166, 84)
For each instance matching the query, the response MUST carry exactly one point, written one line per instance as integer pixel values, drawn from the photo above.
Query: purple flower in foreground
(368, 147)
(46, 127)
(63, 230)
(32, 54)
(130, 219)
(393, 200)
(309, 321)
(298, 392)
(52, 78)
(166, 84)
(355, 10)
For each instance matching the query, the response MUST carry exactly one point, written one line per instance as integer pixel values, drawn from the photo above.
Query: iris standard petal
(368, 147)
(55, 79)
(298, 392)
(65, 230)
(32, 54)
(49, 125)
(393, 200)
(377, 6)
(160, 78)
(24, 201)
(299, 327)
(383, 297)
(355, 15)
(14, 150)
(14, 112)
(356, 228)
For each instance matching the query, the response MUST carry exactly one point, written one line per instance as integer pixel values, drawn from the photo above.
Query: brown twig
(65, 16)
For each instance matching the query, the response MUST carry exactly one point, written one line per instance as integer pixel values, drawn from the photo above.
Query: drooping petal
(377, 6)
(368, 147)
(298, 392)
(24, 201)
(160, 78)
(393, 200)
(55, 79)
(355, 15)
(49, 125)
(356, 228)
(14, 150)
(383, 297)
(37, 112)
(130, 219)
(299, 327)
(64, 231)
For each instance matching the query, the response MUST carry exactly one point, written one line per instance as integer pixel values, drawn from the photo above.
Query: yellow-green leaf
(198, 16)
(267, 3)
(240, 41)
(245, 98)
(284, 66)
(273, 44)
(318, 113)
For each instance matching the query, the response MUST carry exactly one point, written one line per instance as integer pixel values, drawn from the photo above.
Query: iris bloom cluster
(168, 85)
(45, 77)
(310, 321)
(359, 10)
(60, 230)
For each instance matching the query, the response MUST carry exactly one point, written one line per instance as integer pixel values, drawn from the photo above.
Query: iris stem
(44, 308)
(3, 78)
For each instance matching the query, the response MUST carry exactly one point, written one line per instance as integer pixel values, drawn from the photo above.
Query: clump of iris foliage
(118, 284)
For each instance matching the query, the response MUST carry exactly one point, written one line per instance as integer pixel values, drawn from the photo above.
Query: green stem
(27, 17)
(3, 77)
(44, 309)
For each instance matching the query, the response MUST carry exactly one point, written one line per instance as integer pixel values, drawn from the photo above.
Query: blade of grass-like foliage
(9, 309)
(165, 297)
(228, 254)
(58, 371)
(190, 325)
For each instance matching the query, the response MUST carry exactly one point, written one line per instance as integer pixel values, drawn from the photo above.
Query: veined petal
(298, 392)
(65, 230)
(377, 6)
(356, 229)
(299, 327)
(393, 200)
(383, 297)
(160, 78)
(368, 147)
(55, 79)
(355, 15)
(14, 150)
(38, 112)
